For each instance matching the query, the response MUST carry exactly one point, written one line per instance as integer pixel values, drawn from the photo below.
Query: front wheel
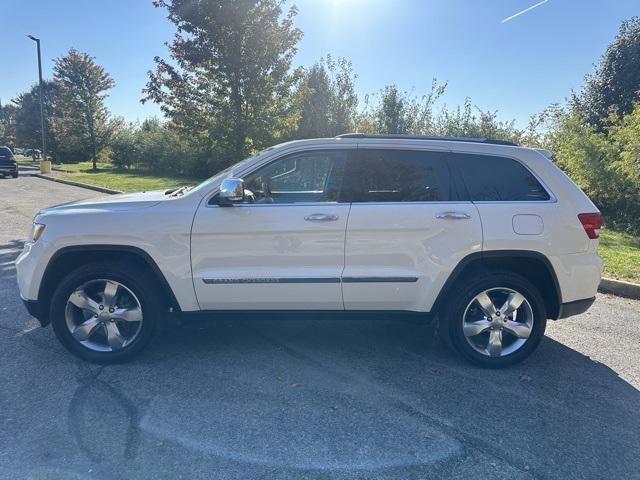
(496, 319)
(105, 314)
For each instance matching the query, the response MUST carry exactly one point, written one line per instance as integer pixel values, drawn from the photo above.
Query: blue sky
(518, 67)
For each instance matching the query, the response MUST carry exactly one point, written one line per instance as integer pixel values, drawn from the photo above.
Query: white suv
(490, 238)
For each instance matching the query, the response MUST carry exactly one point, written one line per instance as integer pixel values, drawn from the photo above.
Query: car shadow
(315, 396)
(551, 413)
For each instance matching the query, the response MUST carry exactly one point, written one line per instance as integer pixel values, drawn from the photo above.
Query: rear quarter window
(491, 178)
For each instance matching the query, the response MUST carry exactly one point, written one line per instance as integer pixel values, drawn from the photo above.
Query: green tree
(470, 121)
(125, 147)
(600, 163)
(7, 124)
(228, 77)
(391, 115)
(28, 125)
(316, 99)
(398, 112)
(615, 84)
(82, 86)
(344, 100)
(625, 136)
(328, 102)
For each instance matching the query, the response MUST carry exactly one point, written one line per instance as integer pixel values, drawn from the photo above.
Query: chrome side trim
(232, 281)
(229, 281)
(379, 279)
(337, 204)
(267, 205)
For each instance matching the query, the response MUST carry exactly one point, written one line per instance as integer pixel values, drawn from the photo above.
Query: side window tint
(300, 177)
(397, 176)
(498, 179)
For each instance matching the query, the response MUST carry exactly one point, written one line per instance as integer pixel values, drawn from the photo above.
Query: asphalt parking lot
(254, 398)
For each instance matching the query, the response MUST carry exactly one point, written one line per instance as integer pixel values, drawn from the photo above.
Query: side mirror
(231, 191)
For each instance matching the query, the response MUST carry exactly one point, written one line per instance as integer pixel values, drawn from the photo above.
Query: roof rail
(425, 137)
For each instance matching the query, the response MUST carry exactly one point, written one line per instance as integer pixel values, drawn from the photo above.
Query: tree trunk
(238, 141)
(92, 138)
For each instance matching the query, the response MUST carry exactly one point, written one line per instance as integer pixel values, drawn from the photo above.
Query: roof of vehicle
(490, 141)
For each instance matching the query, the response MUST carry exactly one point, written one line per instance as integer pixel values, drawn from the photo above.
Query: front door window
(306, 177)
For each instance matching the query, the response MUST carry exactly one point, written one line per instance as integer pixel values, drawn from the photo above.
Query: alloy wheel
(497, 321)
(103, 315)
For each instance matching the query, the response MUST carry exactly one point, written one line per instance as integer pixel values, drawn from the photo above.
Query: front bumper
(576, 307)
(30, 266)
(29, 270)
(33, 307)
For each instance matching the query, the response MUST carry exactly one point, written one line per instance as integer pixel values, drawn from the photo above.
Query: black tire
(142, 284)
(464, 292)
(14, 175)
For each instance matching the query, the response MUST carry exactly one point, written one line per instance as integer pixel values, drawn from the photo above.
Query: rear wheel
(496, 319)
(14, 175)
(105, 314)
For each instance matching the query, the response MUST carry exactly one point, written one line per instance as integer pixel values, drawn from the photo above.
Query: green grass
(124, 180)
(23, 159)
(621, 255)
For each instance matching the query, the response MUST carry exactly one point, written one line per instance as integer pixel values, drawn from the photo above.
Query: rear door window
(491, 178)
(396, 176)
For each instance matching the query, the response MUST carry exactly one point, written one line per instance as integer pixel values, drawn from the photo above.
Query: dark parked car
(8, 164)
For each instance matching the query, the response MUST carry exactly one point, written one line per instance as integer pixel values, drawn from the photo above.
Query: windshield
(5, 152)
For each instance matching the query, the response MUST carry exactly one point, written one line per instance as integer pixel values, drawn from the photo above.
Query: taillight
(592, 223)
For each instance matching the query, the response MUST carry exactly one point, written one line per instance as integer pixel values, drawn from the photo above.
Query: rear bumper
(576, 307)
(578, 275)
(4, 169)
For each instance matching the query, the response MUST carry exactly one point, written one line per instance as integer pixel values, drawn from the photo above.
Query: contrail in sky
(524, 11)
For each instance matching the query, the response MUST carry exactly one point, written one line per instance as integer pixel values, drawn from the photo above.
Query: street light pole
(44, 143)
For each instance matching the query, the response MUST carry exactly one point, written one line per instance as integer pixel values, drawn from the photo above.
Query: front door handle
(321, 217)
(453, 215)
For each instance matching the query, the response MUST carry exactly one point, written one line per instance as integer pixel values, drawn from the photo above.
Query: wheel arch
(534, 265)
(67, 259)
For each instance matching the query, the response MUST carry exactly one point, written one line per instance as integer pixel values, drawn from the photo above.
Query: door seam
(344, 256)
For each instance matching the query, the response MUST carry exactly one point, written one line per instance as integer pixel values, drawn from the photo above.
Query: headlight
(37, 231)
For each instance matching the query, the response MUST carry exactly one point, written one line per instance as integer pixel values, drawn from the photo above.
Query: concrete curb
(77, 184)
(620, 288)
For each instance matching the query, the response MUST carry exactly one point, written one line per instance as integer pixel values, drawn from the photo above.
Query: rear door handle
(453, 215)
(321, 217)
